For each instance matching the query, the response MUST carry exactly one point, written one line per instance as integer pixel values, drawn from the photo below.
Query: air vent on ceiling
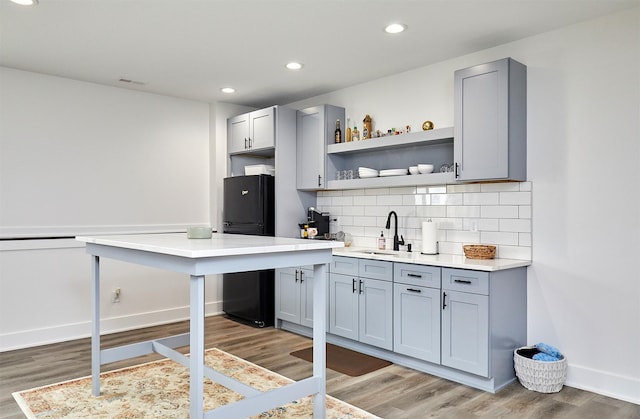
(139, 83)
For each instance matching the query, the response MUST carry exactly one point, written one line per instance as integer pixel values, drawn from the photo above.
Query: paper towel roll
(429, 238)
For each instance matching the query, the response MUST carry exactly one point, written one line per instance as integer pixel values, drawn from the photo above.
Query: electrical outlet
(116, 295)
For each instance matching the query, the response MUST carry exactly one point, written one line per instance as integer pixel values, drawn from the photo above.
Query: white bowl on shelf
(414, 170)
(425, 168)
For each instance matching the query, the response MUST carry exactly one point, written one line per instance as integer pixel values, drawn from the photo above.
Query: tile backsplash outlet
(487, 213)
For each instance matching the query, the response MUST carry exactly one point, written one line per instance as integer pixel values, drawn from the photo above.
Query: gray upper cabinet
(253, 131)
(315, 130)
(490, 130)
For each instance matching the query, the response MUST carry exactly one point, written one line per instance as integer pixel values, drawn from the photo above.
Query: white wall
(583, 160)
(81, 158)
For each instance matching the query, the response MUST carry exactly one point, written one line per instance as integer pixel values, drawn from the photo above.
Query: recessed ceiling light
(26, 2)
(228, 90)
(294, 66)
(395, 28)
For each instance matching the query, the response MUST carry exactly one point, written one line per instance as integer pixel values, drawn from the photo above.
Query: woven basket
(479, 251)
(540, 376)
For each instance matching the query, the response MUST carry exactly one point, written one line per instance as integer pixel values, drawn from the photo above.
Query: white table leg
(95, 327)
(320, 337)
(196, 343)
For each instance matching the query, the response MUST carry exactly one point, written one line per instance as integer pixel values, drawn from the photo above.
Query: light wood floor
(391, 392)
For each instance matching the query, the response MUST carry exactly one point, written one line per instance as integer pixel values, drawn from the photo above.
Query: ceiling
(192, 48)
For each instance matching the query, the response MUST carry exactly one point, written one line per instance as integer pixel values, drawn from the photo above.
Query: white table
(199, 257)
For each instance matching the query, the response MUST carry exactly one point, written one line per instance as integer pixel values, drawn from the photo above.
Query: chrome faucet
(396, 242)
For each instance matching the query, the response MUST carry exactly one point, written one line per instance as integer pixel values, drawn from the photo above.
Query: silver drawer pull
(462, 281)
(414, 275)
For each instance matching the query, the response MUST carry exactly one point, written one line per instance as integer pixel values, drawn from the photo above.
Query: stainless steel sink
(375, 252)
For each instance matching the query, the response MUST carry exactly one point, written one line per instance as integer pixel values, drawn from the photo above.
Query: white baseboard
(67, 332)
(605, 383)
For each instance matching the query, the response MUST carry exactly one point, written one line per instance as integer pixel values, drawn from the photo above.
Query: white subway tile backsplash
(463, 236)
(491, 237)
(463, 211)
(446, 199)
(431, 211)
(342, 201)
(410, 190)
(524, 239)
(352, 192)
(481, 224)
(500, 187)
(368, 221)
(499, 211)
(471, 187)
(389, 200)
(477, 198)
(431, 189)
(418, 199)
(516, 225)
(449, 223)
(323, 201)
(377, 210)
(366, 200)
(515, 198)
(354, 210)
(330, 193)
(524, 211)
(514, 252)
(490, 213)
(377, 191)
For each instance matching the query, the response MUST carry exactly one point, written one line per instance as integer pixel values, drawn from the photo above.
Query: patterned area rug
(160, 389)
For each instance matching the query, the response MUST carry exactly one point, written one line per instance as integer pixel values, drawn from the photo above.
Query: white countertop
(445, 261)
(219, 244)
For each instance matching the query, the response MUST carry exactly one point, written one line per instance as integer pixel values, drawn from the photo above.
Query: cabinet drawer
(375, 269)
(344, 265)
(418, 275)
(475, 282)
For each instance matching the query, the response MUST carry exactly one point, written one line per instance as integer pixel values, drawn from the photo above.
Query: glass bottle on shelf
(338, 132)
(355, 134)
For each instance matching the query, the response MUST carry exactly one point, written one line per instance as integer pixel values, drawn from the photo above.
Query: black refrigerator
(249, 208)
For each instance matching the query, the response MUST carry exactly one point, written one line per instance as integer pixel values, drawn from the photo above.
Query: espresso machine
(319, 220)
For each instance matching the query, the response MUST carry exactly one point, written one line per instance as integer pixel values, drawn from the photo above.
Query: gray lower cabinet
(484, 318)
(416, 311)
(490, 129)
(294, 295)
(361, 301)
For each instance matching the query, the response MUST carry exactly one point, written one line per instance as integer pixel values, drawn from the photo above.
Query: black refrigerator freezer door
(249, 200)
(250, 229)
(250, 296)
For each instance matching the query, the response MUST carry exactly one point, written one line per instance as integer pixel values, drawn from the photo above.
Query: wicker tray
(540, 376)
(479, 251)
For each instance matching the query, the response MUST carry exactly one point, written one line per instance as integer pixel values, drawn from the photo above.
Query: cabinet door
(416, 322)
(490, 121)
(287, 295)
(343, 305)
(465, 332)
(262, 132)
(238, 134)
(310, 148)
(376, 312)
(306, 297)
